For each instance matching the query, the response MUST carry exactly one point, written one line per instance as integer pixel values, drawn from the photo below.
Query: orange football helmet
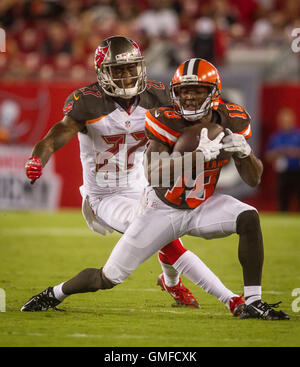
(196, 71)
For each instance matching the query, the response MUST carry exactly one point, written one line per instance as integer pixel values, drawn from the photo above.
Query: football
(189, 139)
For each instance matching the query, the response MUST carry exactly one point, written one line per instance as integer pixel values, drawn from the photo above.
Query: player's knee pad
(247, 222)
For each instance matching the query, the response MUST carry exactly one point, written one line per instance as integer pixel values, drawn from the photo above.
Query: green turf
(42, 249)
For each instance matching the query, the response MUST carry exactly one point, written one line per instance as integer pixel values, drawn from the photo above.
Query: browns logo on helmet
(115, 52)
(196, 72)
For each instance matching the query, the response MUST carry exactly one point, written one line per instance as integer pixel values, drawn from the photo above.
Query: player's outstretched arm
(58, 136)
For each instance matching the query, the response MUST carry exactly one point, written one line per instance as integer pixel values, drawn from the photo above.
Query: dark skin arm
(57, 137)
(249, 168)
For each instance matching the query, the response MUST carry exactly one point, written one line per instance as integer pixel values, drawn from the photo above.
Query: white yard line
(50, 231)
(100, 336)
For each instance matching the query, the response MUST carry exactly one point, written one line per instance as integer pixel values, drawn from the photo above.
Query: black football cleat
(264, 311)
(41, 302)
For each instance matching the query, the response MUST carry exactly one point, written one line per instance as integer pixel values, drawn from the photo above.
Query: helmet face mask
(117, 54)
(193, 101)
(196, 73)
(125, 87)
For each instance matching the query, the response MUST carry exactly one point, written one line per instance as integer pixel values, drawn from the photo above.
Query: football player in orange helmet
(205, 79)
(166, 209)
(105, 115)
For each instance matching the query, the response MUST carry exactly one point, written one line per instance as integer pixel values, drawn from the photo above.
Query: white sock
(252, 293)
(194, 269)
(58, 293)
(171, 275)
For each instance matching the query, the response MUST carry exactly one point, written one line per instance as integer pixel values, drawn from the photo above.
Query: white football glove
(236, 143)
(210, 148)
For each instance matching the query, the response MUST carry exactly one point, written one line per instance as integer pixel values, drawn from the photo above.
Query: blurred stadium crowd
(56, 39)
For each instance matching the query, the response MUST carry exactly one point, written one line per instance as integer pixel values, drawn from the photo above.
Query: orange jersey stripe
(158, 135)
(88, 122)
(176, 134)
(247, 132)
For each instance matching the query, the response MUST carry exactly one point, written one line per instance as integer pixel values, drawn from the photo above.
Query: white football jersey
(111, 151)
(113, 141)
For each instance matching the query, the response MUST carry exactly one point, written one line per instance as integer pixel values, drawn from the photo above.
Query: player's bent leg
(251, 256)
(222, 215)
(117, 212)
(195, 270)
(149, 232)
(251, 250)
(167, 256)
(88, 280)
(216, 218)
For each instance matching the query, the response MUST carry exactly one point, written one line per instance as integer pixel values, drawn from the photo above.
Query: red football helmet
(196, 72)
(115, 51)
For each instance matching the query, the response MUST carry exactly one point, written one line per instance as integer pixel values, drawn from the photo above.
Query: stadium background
(49, 53)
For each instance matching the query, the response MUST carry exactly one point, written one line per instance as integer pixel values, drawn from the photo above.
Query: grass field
(42, 249)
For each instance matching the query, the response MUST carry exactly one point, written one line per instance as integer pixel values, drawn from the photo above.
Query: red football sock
(171, 252)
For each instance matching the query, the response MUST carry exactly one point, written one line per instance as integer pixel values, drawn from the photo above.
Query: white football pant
(156, 224)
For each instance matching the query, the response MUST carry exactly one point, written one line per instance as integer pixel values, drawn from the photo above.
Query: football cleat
(179, 292)
(237, 305)
(264, 311)
(41, 302)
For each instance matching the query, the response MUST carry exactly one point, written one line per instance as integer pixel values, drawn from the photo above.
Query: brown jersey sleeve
(237, 119)
(156, 126)
(75, 108)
